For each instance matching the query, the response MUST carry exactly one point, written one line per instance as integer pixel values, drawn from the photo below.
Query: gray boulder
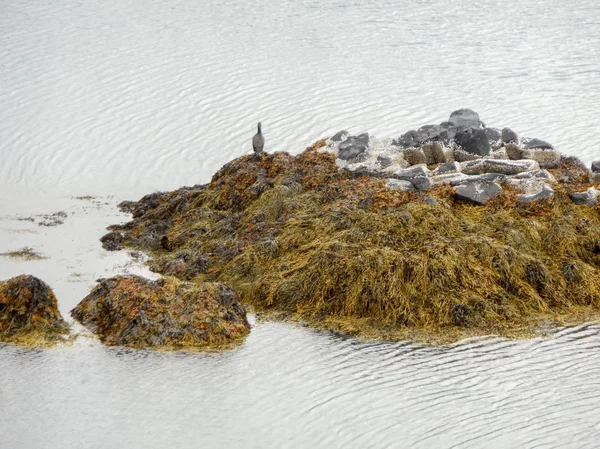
(485, 177)
(509, 136)
(542, 191)
(353, 147)
(465, 118)
(596, 167)
(473, 141)
(538, 143)
(339, 136)
(434, 133)
(587, 198)
(477, 193)
(448, 167)
(419, 176)
(407, 140)
(384, 161)
(399, 184)
(453, 179)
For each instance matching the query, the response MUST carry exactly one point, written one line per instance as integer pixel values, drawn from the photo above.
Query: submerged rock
(29, 312)
(137, 312)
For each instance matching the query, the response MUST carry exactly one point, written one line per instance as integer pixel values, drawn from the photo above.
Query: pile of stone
(461, 152)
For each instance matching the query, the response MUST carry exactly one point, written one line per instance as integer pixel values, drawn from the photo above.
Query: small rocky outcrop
(29, 312)
(459, 151)
(166, 313)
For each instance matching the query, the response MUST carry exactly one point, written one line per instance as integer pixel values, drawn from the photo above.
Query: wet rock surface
(587, 198)
(29, 312)
(167, 313)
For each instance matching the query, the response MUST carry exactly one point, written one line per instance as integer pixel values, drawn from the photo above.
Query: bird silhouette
(258, 142)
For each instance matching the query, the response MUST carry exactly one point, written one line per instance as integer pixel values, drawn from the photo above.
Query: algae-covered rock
(167, 313)
(301, 237)
(29, 312)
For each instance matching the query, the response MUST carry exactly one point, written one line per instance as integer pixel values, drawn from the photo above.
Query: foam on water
(123, 98)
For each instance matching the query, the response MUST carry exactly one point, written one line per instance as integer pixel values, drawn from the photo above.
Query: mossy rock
(29, 312)
(166, 313)
(296, 236)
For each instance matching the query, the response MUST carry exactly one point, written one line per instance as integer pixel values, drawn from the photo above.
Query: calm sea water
(117, 99)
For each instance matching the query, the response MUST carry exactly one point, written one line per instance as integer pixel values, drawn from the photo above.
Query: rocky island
(447, 231)
(29, 313)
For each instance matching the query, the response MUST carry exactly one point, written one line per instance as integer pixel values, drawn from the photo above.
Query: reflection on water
(123, 98)
(293, 387)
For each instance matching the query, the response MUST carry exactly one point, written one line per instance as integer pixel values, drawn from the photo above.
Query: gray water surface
(117, 99)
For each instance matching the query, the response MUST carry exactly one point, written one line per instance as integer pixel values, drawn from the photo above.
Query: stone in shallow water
(466, 118)
(537, 191)
(353, 147)
(509, 136)
(28, 306)
(132, 311)
(477, 192)
(339, 136)
(407, 140)
(587, 198)
(596, 167)
(506, 167)
(399, 184)
(473, 141)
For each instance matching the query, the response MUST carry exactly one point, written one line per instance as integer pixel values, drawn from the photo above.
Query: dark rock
(493, 134)
(587, 198)
(544, 192)
(407, 140)
(509, 136)
(384, 161)
(353, 147)
(477, 192)
(539, 143)
(137, 312)
(28, 306)
(596, 167)
(429, 133)
(339, 136)
(113, 241)
(419, 176)
(465, 118)
(473, 141)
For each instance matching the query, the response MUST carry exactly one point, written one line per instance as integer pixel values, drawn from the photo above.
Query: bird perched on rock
(258, 142)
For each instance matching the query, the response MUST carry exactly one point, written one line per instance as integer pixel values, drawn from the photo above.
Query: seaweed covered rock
(29, 312)
(167, 313)
(299, 236)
